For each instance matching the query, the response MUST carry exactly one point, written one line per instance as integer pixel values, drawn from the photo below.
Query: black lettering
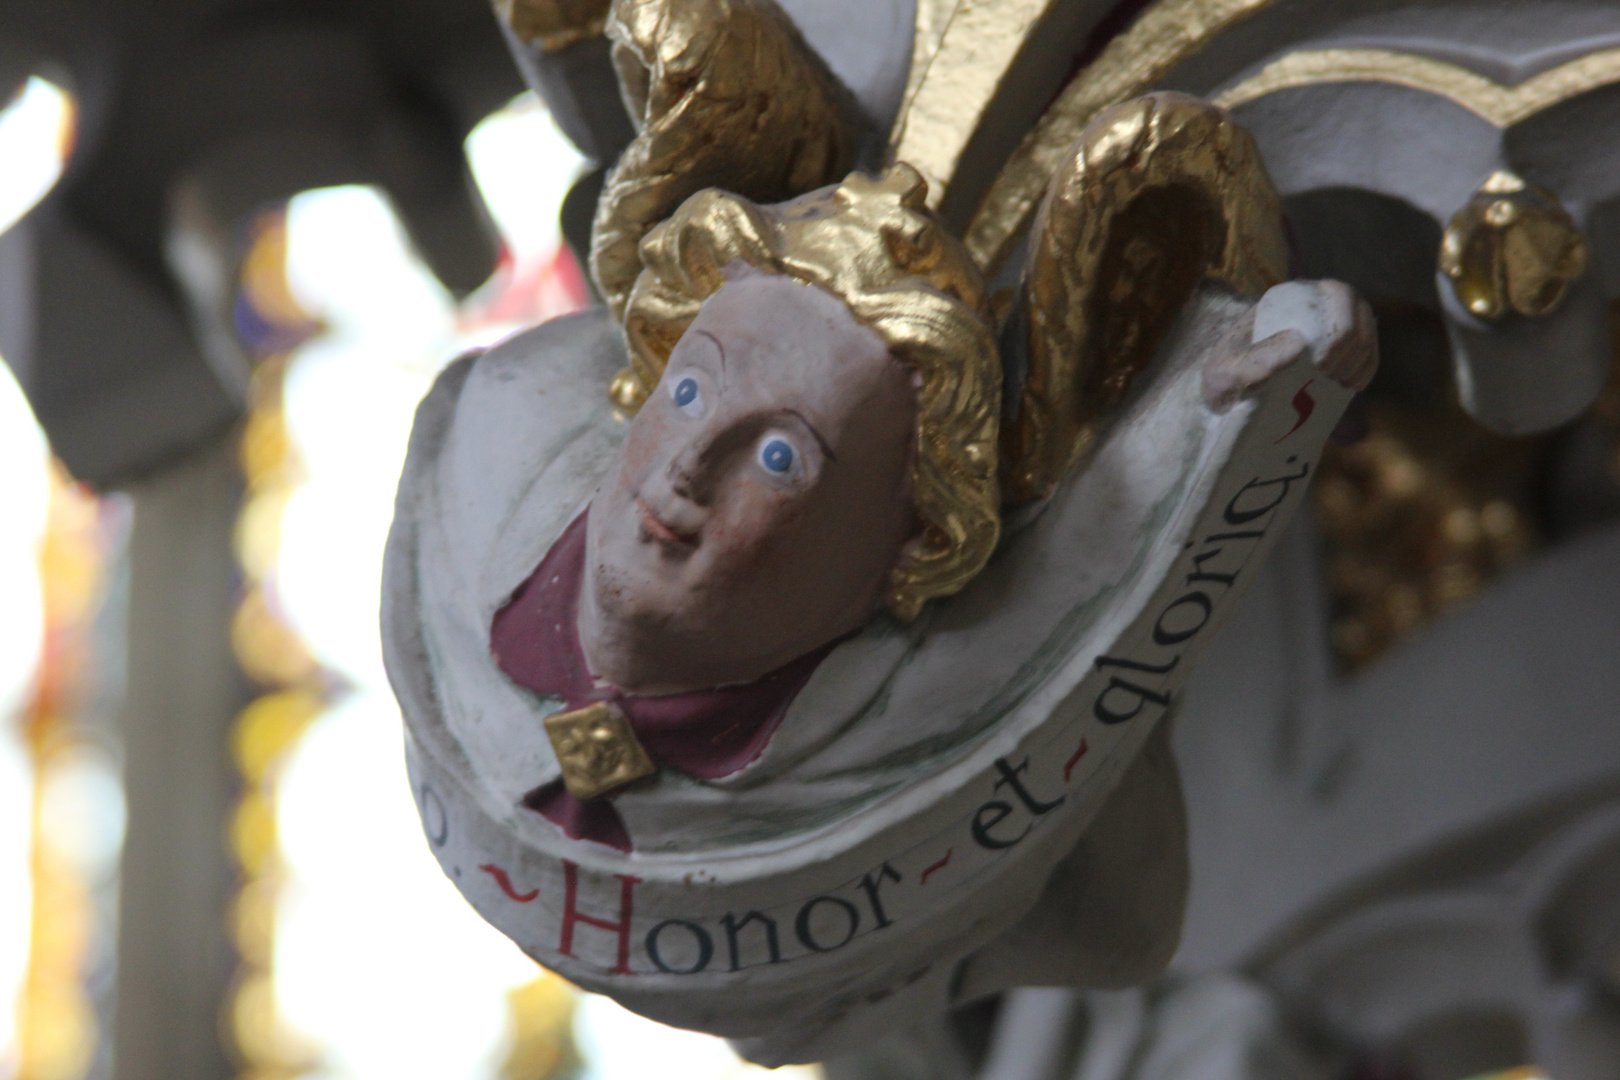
(1161, 636)
(1137, 665)
(705, 947)
(981, 827)
(1009, 775)
(802, 923)
(871, 883)
(1234, 516)
(1199, 574)
(733, 925)
(1141, 695)
(1246, 534)
(437, 836)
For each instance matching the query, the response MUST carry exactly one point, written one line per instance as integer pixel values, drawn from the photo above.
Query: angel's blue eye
(687, 397)
(776, 455)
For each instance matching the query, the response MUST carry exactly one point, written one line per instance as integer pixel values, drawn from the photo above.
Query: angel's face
(760, 498)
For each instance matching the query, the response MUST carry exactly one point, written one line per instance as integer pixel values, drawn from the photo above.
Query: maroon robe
(703, 733)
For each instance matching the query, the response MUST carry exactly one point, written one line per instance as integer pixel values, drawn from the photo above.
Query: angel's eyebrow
(825, 449)
(719, 348)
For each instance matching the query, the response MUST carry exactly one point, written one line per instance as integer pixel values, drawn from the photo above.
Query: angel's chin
(647, 595)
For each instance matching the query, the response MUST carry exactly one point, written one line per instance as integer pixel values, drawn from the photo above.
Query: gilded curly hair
(870, 242)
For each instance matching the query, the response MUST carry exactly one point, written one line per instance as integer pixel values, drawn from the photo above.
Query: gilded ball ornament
(1512, 249)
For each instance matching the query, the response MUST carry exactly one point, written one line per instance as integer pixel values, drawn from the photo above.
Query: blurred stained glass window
(25, 494)
(61, 800)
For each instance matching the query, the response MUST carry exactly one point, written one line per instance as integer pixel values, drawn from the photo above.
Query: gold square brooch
(598, 750)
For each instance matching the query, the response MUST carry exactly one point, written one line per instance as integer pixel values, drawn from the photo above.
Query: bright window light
(524, 166)
(350, 395)
(36, 135)
(378, 958)
(378, 961)
(24, 495)
(616, 1044)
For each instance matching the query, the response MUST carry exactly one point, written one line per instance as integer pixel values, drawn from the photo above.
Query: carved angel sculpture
(819, 678)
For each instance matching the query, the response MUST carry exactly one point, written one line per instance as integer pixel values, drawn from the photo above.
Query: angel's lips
(658, 530)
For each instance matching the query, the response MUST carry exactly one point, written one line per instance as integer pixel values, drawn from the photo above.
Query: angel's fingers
(1351, 357)
(1236, 371)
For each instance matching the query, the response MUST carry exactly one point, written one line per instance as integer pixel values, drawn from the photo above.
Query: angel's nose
(693, 467)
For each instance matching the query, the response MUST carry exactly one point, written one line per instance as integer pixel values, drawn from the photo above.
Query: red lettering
(1068, 766)
(572, 915)
(505, 882)
(1304, 405)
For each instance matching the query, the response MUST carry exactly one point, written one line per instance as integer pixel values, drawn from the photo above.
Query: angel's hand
(1324, 318)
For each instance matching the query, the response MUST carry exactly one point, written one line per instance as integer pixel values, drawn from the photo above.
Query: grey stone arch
(1569, 906)
(1433, 982)
(1370, 173)
(1388, 250)
(186, 127)
(1396, 144)
(1490, 949)
(1380, 243)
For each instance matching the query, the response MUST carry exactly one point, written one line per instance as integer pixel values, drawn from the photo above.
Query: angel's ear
(1158, 195)
(723, 93)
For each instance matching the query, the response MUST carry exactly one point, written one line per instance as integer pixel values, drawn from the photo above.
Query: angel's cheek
(640, 452)
(754, 532)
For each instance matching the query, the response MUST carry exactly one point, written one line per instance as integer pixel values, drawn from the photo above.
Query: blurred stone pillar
(183, 691)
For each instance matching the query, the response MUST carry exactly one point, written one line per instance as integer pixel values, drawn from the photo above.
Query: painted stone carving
(782, 708)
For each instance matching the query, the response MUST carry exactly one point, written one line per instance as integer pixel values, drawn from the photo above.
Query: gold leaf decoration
(1163, 36)
(1430, 508)
(724, 93)
(555, 24)
(1512, 248)
(1496, 104)
(597, 750)
(1157, 195)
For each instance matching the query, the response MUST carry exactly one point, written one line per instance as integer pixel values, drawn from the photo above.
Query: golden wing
(1157, 195)
(555, 24)
(723, 93)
